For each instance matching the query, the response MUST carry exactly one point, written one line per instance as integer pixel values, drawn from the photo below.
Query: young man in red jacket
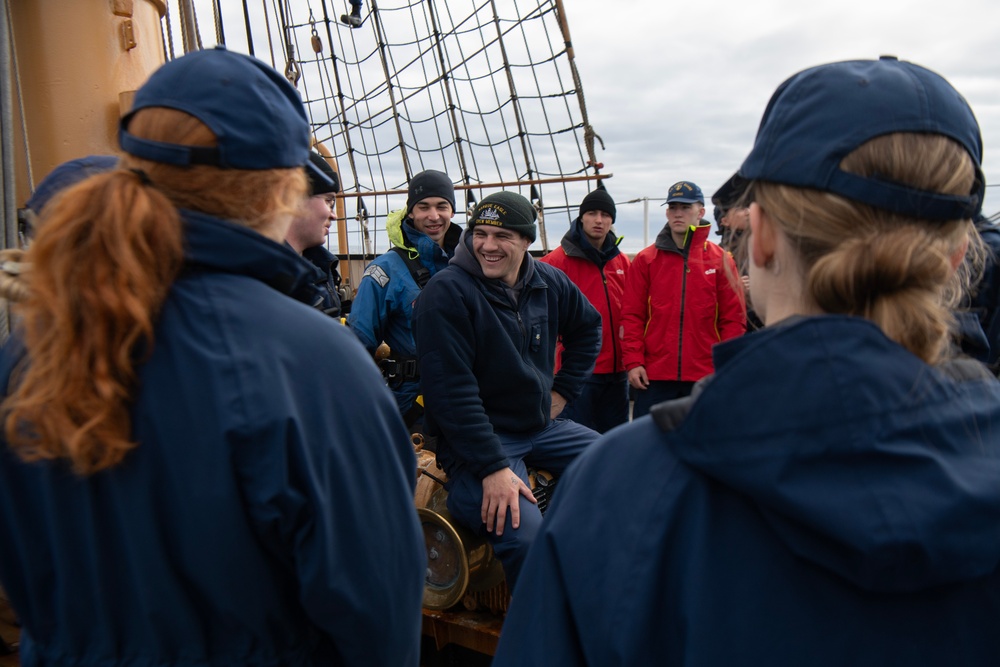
(682, 296)
(589, 255)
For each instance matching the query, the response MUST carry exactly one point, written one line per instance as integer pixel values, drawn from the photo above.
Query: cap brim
(732, 192)
(318, 178)
(683, 200)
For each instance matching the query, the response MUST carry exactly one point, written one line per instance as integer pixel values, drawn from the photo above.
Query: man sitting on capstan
(486, 329)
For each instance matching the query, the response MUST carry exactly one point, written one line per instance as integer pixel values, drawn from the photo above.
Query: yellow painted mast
(74, 69)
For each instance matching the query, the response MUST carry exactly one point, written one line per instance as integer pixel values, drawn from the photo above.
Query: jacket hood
(575, 244)
(402, 234)
(394, 228)
(885, 473)
(466, 260)
(219, 245)
(699, 234)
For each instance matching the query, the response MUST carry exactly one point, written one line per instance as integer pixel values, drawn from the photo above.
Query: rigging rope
(220, 35)
(190, 34)
(10, 58)
(246, 22)
(487, 91)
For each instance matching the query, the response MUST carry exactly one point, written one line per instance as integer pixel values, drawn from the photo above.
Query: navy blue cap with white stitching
(820, 115)
(254, 112)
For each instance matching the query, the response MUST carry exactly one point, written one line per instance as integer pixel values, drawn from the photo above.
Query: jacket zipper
(680, 336)
(526, 342)
(611, 320)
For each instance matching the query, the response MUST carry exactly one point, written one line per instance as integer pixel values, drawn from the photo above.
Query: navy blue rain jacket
(829, 499)
(486, 355)
(265, 518)
(986, 303)
(327, 280)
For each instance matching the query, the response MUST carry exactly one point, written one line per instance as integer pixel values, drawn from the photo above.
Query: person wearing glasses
(308, 233)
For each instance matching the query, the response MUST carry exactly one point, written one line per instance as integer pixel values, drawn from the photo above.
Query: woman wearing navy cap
(184, 479)
(847, 510)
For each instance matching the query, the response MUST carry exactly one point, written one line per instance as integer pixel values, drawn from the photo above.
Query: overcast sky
(676, 90)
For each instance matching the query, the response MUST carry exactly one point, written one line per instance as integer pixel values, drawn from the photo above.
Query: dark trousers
(553, 448)
(603, 403)
(657, 392)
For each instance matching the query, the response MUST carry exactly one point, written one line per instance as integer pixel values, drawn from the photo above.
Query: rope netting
(485, 90)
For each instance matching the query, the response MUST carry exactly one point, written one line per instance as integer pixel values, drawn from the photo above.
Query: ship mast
(69, 70)
(7, 197)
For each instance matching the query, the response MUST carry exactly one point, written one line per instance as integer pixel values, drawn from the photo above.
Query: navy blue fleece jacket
(486, 353)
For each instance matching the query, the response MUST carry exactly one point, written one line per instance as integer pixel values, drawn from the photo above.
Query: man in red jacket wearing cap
(682, 296)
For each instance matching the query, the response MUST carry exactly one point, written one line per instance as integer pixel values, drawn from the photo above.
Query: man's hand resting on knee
(500, 492)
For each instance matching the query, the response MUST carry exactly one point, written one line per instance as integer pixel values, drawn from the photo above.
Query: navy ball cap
(254, 112)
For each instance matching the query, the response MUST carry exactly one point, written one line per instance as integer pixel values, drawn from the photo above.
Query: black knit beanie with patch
(508, 210)
(430, 183)
(599, 200)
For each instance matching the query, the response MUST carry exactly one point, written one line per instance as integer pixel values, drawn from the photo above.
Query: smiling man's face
(500, 252)
(432, 216)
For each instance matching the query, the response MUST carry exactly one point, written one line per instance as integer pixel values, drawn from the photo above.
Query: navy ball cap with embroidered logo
(254, 112)
(685, 192)
(820, 115)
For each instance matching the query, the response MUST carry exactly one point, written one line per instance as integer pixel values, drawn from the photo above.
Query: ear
(956, 258)
(762, 238)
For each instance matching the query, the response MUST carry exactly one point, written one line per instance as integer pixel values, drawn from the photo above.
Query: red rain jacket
(677, 306)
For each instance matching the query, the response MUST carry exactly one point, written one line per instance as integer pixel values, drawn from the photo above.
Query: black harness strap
(417, 270)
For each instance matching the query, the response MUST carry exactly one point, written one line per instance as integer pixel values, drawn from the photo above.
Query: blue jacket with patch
(382, 310)
(265, 517)
(845, 512)
(486, 354)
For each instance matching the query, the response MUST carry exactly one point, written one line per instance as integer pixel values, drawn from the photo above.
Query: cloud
(676, 99)
(679, 94)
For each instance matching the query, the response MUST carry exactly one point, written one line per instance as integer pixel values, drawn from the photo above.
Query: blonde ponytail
(893, 270)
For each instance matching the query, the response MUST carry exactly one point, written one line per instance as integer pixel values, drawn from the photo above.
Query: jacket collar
(693, 237)
(214, 244)
(575, 244)
(321, 257)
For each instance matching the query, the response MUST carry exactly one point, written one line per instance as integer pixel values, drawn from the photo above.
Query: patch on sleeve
(375, 272)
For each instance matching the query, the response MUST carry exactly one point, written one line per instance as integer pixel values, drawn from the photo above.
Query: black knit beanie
(599, 200)
(429, 183)
(508, 210)
(315, 186)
